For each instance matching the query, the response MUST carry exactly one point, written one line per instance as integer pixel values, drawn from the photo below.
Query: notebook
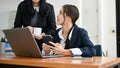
(23, 44)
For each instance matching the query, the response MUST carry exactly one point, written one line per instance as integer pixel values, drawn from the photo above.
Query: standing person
(36, 13)
(70, 40)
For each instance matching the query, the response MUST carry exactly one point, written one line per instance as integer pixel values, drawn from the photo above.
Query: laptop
(23, 44)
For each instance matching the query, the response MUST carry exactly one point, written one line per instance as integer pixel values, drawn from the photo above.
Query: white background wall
(107, 21)
(7, 7)
(7, 12)
(95, 15)
(89, 18)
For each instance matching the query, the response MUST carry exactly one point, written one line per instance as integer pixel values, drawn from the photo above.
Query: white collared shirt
(75, 51)
(37, 9)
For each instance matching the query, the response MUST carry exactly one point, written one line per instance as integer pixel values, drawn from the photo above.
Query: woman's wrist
(67, 52)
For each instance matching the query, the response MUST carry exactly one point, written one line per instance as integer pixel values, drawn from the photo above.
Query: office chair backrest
(98, 50)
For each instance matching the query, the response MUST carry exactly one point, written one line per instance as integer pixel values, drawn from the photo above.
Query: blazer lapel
(74, 36)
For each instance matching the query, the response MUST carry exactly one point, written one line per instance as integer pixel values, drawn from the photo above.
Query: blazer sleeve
(18, 18)
(51, 20)
(87, 46)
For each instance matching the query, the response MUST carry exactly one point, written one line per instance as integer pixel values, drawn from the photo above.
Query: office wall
(107, 23)
(89, 16)
(7, 13)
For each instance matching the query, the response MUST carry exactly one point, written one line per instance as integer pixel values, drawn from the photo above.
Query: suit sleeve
(87, 46)
(51, 21)
(18, 18)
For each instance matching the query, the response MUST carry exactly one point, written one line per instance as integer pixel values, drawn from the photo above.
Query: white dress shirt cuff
(76, 51)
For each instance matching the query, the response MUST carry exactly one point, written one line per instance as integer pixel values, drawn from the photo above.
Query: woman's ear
(69, 18)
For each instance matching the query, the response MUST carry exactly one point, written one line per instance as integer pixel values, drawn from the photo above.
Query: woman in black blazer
(70, 40)
(36, 13)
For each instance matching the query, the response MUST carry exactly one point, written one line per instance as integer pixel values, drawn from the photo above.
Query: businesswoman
(70, 40)
(36, 13)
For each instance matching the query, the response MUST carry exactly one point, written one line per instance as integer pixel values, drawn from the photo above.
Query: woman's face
(60, 17)
(35, 1)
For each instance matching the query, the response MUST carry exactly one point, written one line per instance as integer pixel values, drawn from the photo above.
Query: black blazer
(25, 13)
(79, 39)
(46, 18)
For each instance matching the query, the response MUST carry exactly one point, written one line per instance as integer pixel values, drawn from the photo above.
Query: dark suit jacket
(25, 13)
(46, 17)
(79, 39)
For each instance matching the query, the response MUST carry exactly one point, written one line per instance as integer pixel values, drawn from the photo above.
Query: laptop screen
(22, 42)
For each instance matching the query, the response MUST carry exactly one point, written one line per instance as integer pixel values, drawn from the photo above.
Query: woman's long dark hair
(72, 11)
(42, 7)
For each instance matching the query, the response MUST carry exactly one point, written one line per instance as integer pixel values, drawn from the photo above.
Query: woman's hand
(58, 49)
(31, 29)
(46, 48)
(40, 36)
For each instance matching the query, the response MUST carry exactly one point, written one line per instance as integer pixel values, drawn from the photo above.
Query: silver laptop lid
(22, 42)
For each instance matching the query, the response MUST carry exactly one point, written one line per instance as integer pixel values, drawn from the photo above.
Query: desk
(61, 62)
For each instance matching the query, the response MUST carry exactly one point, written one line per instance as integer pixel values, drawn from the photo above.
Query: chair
(98, 50)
